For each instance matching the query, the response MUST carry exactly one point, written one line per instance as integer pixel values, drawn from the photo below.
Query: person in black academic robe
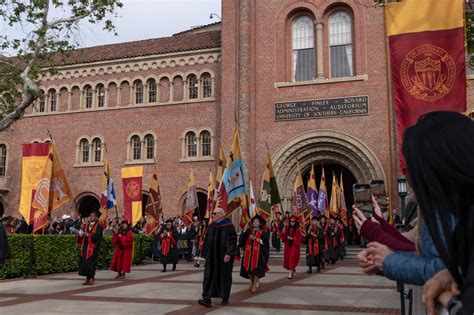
(4, 247)
(331, 241)
(88, 239)
(168, 237)
(313, 248)
(256, 247)
(220, 249)
(275, 229)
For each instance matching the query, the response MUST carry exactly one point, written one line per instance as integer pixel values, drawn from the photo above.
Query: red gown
(292, 247)
(123, 253)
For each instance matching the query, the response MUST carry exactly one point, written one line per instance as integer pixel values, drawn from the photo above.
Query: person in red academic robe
(123, 253)
(292, 237)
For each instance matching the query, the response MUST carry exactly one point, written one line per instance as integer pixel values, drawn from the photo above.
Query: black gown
(314, 258)
(172, 256)
(87, 265)
(4, 247)
(221, 240)
(263, 255)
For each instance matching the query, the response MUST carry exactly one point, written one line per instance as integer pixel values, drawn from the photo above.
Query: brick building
(308, 78)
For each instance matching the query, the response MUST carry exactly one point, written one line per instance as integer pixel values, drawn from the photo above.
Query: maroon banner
(132, 189)
(428, 74)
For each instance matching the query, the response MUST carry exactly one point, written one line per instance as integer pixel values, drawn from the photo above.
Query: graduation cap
(124, 221)
(315, 218)
(260, 219)
(294, 218)
(95, 212)
(169, 221)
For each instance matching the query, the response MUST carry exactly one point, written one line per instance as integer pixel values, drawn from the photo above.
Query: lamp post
(402, 192)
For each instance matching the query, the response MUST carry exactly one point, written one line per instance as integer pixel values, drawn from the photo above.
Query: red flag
(426, 40)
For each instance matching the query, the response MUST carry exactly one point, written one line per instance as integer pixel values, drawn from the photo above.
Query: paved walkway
(339, 290)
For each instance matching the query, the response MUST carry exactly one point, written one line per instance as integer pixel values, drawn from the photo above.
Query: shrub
(59, 253)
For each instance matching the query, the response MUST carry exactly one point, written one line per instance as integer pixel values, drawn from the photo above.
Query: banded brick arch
(325, 146)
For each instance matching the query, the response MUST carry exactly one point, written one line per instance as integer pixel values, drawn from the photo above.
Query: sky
(144, 19)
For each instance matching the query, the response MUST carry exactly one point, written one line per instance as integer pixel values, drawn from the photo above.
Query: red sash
(165, 245)
(336, 228)
(90, 245)
(252, 249)
(313, 242)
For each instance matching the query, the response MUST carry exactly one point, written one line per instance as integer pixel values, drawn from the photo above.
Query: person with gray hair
(220, 249)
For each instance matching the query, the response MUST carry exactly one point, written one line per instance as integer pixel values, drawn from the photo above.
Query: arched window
(151, 91)
(206, 85)
(191, 144)
(340, 44)
(84, 146)
(100, 95)
(192, 87)
(150, 147)
(97, 147)
(53, 101)
(136, 148)
(42, 104)
(89, 96)
(138, 92)
(3, 160)
(302, 35)
(205, 143)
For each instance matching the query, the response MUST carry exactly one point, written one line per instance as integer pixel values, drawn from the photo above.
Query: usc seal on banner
(133, 189)
(428, 72)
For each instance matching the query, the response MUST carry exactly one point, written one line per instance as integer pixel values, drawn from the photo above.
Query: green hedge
(59, 253)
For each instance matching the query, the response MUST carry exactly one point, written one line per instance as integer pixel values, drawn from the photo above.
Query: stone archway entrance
(87, 204)
(327, 147)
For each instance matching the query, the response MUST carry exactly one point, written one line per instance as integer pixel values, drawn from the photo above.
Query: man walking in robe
(292, 238)
(220, 249)
(89, 238)
(123, 253)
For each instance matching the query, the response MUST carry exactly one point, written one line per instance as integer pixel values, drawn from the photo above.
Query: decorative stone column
(319, 50)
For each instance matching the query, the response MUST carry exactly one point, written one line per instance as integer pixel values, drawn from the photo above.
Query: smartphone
(362, 199)
(377, 188)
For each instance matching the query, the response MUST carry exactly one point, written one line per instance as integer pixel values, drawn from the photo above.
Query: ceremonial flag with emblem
(222, 198)
(108, 197)
(132, 178)
(253, 203)
(221, 165)
(53, 190)
(35, 157)
(300, 203)
(342, 202)
(41, 200)
(191, 200)
(211, 193)
(234, 181)
(312, 193)
(266, 196)
(323, 195)
(154, 207)
(427, 57)
(274, 192)
(333, 204)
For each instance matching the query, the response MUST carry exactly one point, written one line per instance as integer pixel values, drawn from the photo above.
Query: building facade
(307, 79)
